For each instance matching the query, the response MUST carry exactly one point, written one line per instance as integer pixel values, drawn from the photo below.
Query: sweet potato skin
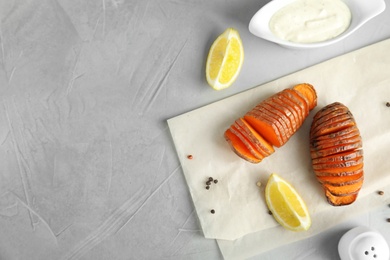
(336, 149)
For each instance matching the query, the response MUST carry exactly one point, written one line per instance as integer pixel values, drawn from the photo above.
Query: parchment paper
(360, 80)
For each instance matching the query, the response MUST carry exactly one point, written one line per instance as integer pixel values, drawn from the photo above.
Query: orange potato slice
(276, 114)
(309, 92)
(324, 144)
(240, 147)
(266, 126)
(286, 111)
(262, 145)
(351, 130)
(340, 200)
(335, 150)
(336, 166)
(341, 180)
(343, 190)
(329, 109)
(339, 157)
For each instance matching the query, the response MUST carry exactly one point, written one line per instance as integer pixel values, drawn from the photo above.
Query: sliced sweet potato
(339, 173)
(240, 133)
(336, 126)
(276, 114)
(293, 108)
(346, 132)
(331, 108)
(309, 92)
(339, 157)
(287, 112)
(328, 121)
(267, 127)
(338, 166)
(336, 171)
(256, 139)
(340, 200)
(341, 180)
(335, 150)
(331, 125)
(324, 144)
(300, 105)
(303, 99)
(239, 147)
(271, 123)
(337, 154)
(346, 189)
(321, 118)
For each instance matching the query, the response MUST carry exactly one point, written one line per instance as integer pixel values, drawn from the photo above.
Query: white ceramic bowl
(362, 11)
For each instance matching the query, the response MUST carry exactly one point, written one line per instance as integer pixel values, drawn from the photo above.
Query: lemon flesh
(224, 60)
(286, 205)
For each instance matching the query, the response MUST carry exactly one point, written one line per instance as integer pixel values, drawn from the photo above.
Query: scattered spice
(211, 180)
(269, 212)
(190, 156)
(388, 104)
(381, 192)
(207, 187)
(388, 220)
(212, 211)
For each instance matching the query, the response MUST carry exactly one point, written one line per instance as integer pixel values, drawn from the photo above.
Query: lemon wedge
(286, 205)
(224, 60)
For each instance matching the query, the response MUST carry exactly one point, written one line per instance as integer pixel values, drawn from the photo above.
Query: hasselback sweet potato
(271, 123)
(336, 150)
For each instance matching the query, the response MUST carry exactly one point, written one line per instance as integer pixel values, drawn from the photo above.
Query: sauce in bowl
(310, 21)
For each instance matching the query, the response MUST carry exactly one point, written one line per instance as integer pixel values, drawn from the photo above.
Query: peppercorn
(207, 187)
(210, 178)
(381, 192)
(388, 104)
(215, 181)
(212, 211)
(208, 183)
(388, 220)
(269, 212)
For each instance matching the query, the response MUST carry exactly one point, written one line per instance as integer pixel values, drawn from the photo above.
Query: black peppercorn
(388, 104)
(215, 181)
(212, 211)
(210, 178)
(381, 192)
(207, 187)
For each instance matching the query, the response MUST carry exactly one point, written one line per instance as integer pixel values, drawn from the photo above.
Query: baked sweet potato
(271, 123)
(241, 147)
(337, 153)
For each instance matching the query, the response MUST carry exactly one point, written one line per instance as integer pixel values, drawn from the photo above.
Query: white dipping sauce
(309, 21)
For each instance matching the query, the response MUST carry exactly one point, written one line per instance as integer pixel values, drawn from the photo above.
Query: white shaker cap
(363, 243)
